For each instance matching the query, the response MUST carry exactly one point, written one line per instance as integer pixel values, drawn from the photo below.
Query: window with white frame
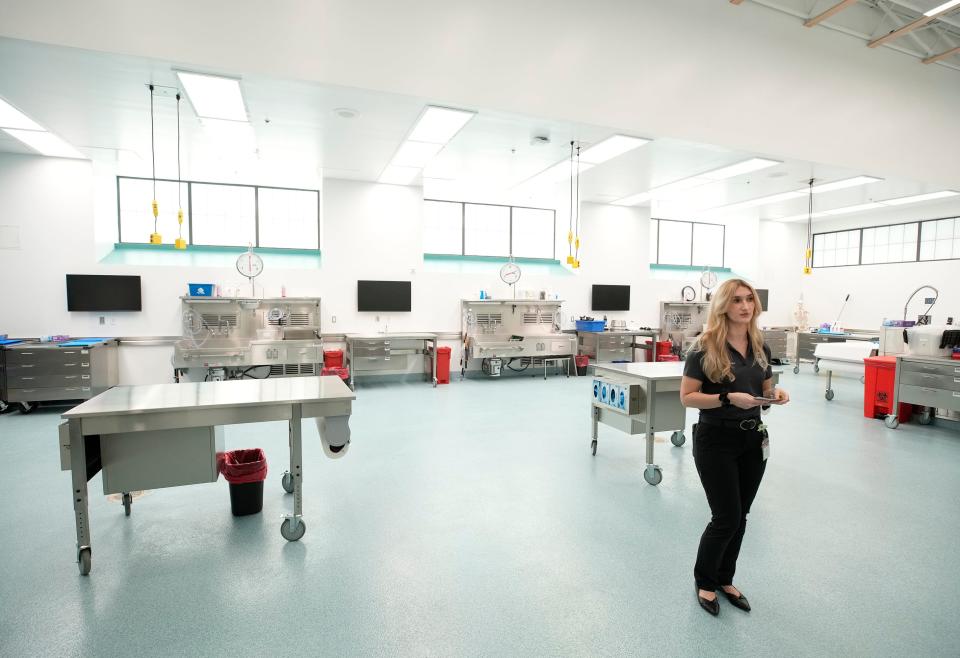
(697, 244)
(218, 214)
(909, 242)
(478, 229)
(896, 243)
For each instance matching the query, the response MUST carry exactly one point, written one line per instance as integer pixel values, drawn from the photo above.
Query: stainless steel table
(381, 353)
(165, 435)
(639, 398)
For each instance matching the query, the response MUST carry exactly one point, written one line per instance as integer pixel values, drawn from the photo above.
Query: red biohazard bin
(879, 376)
(245, 470)
(663, 348)
(333, 358)
(443, 364)
(581, 361)
(342, 373)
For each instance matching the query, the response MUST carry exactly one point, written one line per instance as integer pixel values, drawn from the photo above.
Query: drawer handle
(929, 390)
(29, 390)
(84, 376)
(26, 379)
(27, 353)
(27, 365)
(84, 365)
(69, 365)
(69, 376)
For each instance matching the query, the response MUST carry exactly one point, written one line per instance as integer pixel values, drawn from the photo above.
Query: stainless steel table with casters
(168, 435)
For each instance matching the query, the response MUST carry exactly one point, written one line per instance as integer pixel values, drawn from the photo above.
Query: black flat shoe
(738, 601)
(713, 607)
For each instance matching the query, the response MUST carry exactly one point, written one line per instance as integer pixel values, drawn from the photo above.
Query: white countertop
(662, 370)
(125, 400)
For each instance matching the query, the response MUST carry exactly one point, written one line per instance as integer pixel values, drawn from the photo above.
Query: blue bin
(201, 289)
(591, 325)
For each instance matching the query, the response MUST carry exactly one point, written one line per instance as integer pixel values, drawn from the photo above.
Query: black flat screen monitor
(99, 292)
(610, 298)
(383, 296)
(762, 294)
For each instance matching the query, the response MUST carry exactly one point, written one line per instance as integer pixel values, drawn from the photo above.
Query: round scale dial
(510, 273)
(250, 264)
(708, 279)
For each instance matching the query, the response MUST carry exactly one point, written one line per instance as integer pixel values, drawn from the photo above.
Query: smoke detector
(346, 113)
(540, 140)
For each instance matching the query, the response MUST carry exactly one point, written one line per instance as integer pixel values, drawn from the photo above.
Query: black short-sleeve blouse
(748, 378)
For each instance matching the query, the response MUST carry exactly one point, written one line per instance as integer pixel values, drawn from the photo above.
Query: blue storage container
(591, 325)
(201, 289)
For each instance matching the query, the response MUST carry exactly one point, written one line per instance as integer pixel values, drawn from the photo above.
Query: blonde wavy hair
(713, 340)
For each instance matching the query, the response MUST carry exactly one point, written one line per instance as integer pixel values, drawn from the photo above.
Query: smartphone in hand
(760, 398)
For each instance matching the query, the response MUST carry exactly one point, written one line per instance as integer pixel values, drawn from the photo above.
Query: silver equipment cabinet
(234, 338)
(639, 398)
(44, 372)
(169, 435)
(613, 346)
(497, 333)
(682, 322)
(928, 381)
(807, 342)
(390, 354)
(778, 341)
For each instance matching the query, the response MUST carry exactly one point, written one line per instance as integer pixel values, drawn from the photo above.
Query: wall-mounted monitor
(610, 298)
(100, 292)
(762, 294)
(383, 296)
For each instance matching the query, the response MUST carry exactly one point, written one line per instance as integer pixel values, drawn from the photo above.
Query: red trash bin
(342, 373)
(581, 361)
(663, 348)
(880, 373)
(333, 358)
(443, 364)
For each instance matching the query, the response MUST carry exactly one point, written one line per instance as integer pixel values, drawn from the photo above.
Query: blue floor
(471, 520)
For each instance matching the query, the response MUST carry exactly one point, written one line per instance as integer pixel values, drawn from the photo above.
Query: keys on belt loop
(748, 424)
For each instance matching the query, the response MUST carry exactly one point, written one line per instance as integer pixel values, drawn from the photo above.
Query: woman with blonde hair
(727, 376)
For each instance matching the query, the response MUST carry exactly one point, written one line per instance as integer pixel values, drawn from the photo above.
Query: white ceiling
(100, 103)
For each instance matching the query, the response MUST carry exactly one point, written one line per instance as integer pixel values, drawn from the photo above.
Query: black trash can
(582, 361)
(245, 470)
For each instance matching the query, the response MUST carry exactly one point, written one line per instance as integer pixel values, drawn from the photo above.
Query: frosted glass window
(533, 233)
(675, 240)
(136, 210)
(289, 219)
(869, 236)
(442, 227)
(486, 230)
(653, 240)
(223, 215)
(940, 239)
(867, 257)
(708, 245)
(839, 248)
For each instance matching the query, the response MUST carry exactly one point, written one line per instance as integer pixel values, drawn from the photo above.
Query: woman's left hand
(782, 396)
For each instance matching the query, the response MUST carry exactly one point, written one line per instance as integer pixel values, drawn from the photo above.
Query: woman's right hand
(744, 400)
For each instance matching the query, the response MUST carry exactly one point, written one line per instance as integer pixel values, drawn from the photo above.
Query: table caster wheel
(678, 438)
(926, 417)
(593, 447)
(892, 422)
(653, 475)
(287, 482)
(292, 535)
(83, 561)
(816, 368)
(829, 394)
(127, 502)
(434, 382)
(27, 407)
(4, 407)
(796, 370)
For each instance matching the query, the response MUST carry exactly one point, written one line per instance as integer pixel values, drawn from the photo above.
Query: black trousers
(730, 463)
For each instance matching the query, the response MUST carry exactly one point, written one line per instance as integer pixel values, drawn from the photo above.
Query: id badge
(765, 448)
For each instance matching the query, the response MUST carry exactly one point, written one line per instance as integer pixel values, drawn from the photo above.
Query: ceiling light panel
(920, 197)
(214, 97)
(11, 117)
(844, 184)
(45, 143)
(415, 154)
(394, 175)
(885, 203)
(942, 8)
(610, 148)
(438, 125)
(740, 168)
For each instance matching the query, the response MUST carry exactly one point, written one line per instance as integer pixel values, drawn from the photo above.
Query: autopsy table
(166, 435)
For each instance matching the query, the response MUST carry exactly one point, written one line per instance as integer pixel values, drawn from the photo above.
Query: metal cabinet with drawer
(388, 354)
(928, 381)
(41, 372)
(606, 346)
(777, 341)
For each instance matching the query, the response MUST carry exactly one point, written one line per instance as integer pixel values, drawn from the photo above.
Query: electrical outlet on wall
(333, 319)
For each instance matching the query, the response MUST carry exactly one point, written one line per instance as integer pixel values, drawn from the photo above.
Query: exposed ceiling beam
(819, 18)
(913, 25)
(943, 55)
